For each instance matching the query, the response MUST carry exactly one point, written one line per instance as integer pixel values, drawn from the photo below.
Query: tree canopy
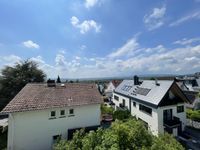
(13, 79)
(122, 135)
(58, 80)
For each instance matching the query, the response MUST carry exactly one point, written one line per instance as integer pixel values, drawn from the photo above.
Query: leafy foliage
(121, 114)
(13, 79)
(166, 142)
(193, 114)
(122, 135)
(58, 80)
(106, 109)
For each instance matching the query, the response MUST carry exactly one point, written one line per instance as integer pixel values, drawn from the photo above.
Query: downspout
(10, 147)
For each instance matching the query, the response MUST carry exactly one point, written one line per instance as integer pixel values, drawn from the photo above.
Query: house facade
(111, 87)
(159, 104)
(40, 115)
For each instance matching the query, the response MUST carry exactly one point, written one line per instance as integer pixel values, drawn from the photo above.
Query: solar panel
(142, 91)
(126, 88)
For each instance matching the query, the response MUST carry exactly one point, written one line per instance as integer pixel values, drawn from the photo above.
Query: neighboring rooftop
(148, 91)
(40, 96)
(116, 82)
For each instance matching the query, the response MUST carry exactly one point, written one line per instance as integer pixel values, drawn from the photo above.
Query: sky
(101, 38)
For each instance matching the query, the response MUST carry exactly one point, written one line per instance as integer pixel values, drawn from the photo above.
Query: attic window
(126, 88)
(142, 91)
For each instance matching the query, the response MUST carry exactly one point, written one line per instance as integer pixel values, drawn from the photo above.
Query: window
(53, 114)
(134, 104)
(71, 112)
(116, 98)
(145, 109)
(180, 109)
(62, 113)
(123, 102)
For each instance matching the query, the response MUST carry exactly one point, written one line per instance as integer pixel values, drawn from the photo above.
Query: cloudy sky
(102, 38)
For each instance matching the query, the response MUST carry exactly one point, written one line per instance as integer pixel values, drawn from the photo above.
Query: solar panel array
(126, 88)
(142, 91)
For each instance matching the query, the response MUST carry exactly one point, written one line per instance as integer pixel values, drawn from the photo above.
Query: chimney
(51, 83)
(136, 80)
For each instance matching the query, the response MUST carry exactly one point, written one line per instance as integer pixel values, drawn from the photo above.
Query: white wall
(152, 120)
(155, 121)
(33, 130)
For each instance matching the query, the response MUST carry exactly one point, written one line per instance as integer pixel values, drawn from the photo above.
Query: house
(41, 114)
(159, 104)
(191, 94)
(111, 87)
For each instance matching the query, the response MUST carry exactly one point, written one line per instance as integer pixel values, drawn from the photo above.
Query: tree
(58, 79)
(166, 142)
(14, 78)
(122, 135)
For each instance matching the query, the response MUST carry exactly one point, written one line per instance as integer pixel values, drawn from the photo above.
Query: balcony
(174, 122)
(122, 107)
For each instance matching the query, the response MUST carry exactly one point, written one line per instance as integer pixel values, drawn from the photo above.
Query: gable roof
(116, 82)
(147, 92)
(39, 96)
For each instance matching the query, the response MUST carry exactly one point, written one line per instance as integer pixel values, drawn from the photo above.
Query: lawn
(3, 140)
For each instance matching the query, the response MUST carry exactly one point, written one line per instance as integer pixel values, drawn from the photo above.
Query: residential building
(111, 87)
(191, 94)
(41, 114)
(159, 104)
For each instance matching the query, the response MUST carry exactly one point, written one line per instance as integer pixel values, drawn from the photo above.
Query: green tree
(58, 79)
(121, 114)
(166, 142)
(14, 78)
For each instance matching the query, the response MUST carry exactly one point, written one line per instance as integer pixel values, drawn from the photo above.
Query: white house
(159, 104)
(41, 114)
(111, 87)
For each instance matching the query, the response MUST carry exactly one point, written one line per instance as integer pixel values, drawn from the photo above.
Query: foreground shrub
(122, 135)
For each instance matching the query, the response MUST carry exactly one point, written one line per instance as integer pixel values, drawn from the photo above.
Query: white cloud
(127, 48)
(155, 19)
(146, 60)
(30, 44)
(86, 25)
(186, 41)
(91, 3)
(195, 15)
(77, 57)
(83, 47)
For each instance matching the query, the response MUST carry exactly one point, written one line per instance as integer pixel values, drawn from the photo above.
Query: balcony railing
(175, 121)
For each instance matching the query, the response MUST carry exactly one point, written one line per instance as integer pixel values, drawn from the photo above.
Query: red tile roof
(39, 96)
(116, 82)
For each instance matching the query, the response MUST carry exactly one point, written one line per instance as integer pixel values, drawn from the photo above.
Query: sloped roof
(152, 93)
(116, 82)
(39, 96)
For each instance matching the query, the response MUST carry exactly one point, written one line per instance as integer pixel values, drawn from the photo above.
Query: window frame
(134, 103)
(180, 109)
(116, 97)
(71, 114)
(62, 115)
(54, 116)
(145, 109)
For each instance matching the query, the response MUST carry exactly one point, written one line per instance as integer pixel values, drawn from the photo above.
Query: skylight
(126, 88)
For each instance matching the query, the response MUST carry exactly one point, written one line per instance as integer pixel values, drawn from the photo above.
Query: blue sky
(102, 38)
